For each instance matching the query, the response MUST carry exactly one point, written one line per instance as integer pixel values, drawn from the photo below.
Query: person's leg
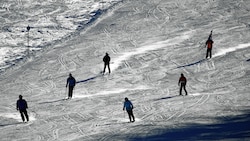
(70, 91)
(184, 86)
(207, 53)
(104, 68)
(210, 53)
(180, 89)
(22, 116)
(132, 115)
(129, 115)
(109, 68)
(26, 115)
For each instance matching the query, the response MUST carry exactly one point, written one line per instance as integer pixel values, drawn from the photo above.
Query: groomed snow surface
(151, 42)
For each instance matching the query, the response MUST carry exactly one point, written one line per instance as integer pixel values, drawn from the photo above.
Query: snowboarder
(106, 60)
(209, 44)
(71, 82)
(129, 108)
(21, 106)
(182, 83)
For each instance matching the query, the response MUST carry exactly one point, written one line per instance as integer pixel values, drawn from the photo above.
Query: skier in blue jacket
(71, 82)
(22, 105)
(129, 108)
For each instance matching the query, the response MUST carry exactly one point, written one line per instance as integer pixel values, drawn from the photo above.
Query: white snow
(151, 42)
(231, 49)
(150, 47)
(50, 21)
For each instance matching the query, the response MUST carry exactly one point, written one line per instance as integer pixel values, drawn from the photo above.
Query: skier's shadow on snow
(88, 79)
(168, 97)
(248, 60)
(48, 102)
(195, 63)
(110, 124)
(9, 124)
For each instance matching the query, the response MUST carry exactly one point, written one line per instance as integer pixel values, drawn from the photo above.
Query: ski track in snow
(148, 48)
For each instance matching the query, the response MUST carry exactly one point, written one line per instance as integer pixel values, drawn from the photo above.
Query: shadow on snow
(237, 127)
(248, 60)
(168, 97)
(47, 102)
(88, 79)
(9, 124)
(109, 124)
(195, 63)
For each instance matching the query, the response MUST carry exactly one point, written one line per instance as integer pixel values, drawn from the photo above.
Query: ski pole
(66, 91)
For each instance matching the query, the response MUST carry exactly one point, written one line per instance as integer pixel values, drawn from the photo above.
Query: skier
(209, 44)
(106, 60)
(22, 105)
(129, 108)
(71, 82)
(182, 82)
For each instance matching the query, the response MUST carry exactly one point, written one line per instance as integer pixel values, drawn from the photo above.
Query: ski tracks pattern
(74, 119)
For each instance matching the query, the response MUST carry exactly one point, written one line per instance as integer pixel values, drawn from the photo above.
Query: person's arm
(74, 81)
(109, 59)
(26, 104)
(104, 59)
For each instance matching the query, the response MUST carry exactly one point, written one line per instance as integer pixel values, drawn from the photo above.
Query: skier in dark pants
(182, 82)
(209, 44)
(129, 108)
(71, 82)
(106, 60)
(22, 105)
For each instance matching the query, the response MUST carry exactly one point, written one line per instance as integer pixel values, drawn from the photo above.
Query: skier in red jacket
(182, 82)
(209, 44)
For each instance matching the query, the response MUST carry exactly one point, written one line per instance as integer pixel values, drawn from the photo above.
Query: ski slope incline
(150, 43)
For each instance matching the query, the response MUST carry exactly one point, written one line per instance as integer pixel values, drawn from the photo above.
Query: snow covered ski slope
(151, 42)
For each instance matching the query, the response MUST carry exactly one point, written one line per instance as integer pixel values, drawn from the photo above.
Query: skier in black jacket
(71, 81)
(182, 83)
(106, 60)
(22, 105)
